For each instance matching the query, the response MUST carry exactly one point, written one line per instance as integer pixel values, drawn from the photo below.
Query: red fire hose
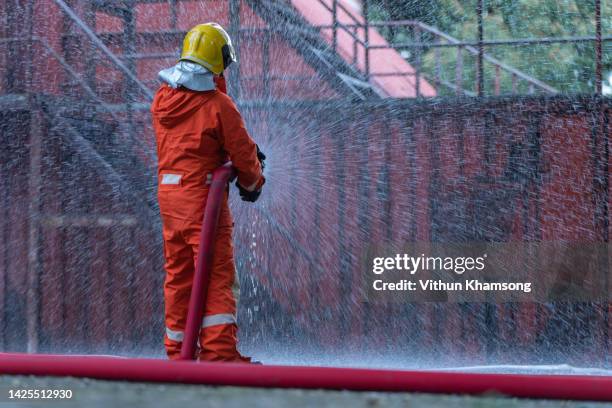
(593, 388)
(201, 278)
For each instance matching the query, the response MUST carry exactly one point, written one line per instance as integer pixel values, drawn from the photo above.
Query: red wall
(344, 175)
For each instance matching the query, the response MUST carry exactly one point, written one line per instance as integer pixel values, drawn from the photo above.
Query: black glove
(261, 157)
(250, 196)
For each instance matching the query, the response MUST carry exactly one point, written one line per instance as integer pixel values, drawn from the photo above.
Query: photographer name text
(457, 265)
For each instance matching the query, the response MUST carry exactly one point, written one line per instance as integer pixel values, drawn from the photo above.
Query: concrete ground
(104, 394)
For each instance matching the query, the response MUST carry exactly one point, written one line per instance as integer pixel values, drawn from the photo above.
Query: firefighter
(198, 128)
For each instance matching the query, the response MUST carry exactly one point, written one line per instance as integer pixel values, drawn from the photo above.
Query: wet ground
(96, 393)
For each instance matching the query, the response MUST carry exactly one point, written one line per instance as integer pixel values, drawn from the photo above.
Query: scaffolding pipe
(220, 177)
(93, 37)
(586, 388)
(598, 49)
(480, 62)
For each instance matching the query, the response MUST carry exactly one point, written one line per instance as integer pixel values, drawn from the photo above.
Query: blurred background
(385, 122)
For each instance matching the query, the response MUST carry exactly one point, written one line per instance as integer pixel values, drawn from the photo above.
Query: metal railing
(83, 143)
(101, 106)
(362, 24)
(103, 48)
(357, 27)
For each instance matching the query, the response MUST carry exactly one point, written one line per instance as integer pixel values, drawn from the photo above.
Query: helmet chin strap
(188, 75)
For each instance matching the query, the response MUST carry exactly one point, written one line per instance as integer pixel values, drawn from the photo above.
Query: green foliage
(568, 67)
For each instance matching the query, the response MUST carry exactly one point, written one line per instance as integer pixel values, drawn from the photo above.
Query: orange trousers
(218, 335)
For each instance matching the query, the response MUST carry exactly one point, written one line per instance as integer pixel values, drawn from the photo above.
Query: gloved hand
(250, 196)
(261, 157)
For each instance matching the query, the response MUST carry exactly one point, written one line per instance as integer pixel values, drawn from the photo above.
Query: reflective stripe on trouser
(207, 321)
(174, 335)
(218, 335)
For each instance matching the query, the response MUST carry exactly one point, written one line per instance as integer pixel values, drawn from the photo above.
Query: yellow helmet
(210, 46)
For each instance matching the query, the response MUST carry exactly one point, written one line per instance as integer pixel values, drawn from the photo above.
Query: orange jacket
(196, 133)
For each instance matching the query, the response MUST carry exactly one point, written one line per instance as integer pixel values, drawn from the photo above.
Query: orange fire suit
(197, 132)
